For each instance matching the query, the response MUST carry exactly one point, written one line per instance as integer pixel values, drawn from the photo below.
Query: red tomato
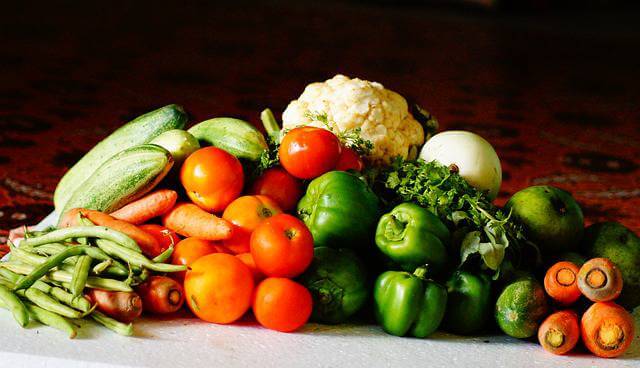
(246, 213)
(281, 304)
(349, 160)
(280, 186)
(212, 178)
(282, 246)
(309, 152)
(189, 250)
(163, 236)
(219, 288)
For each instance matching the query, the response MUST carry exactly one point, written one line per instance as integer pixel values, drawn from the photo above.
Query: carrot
(152, 205)
(187, 219)
(161, 295)
(560, 332)
(561, 283)
(600, 280)
(148, 244)
(607, 329)
(120, 305)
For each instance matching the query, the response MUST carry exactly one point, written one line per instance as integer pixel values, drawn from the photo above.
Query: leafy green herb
(481, 228)
(351, 138)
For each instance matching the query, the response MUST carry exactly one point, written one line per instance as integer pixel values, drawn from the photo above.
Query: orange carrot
(187, 219)
(161, 295)
(607, 329)
(600, 280)
(560, 332)
(148, 244)
(152, 205)
(561, 283)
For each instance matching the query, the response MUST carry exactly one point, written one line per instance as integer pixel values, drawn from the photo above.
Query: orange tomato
(246, 213)
(212, 178)
(282, 304)
(163, 236)
(308, 152)
(190, 250)
(280, 186)
(349, 160)
(219, 288)
(247, 259)
(282, 246)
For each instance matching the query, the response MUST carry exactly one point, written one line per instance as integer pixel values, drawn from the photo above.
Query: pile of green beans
(45, 277)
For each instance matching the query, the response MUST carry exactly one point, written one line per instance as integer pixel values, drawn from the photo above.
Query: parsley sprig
(351, 138)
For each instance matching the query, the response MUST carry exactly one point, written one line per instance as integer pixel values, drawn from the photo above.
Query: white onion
(475, 158)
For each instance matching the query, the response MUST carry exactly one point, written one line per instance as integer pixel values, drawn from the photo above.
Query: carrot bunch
(606, 328)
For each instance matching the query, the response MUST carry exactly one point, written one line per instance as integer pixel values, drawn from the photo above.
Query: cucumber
(138, 131)
(235, 136)
(123, 178)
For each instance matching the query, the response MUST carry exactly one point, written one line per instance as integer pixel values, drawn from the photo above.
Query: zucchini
(235, 136)
(138, 131)
(123, 178)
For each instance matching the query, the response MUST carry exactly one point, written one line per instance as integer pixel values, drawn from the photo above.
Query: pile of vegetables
(316, 222)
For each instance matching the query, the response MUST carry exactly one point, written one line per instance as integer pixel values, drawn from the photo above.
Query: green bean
(64, 276)
(51, 319)
(28, 257)
(92, 281)
(80, 303)
(44, 268)
(15, 305)
(80, 275)
(100, 232)
(112, 324)
(116, 268)
(101, 267)
(164, 256)
(9, 275)
(43, 300)
(8, 284)
(49, 248)
(134, 258)
(83, 221)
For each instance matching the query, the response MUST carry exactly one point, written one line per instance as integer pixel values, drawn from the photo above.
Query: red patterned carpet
(558, 99)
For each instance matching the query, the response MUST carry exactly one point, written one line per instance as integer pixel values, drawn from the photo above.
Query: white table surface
(188, 342)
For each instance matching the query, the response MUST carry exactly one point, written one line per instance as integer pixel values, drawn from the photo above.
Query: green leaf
(470, 245)
(492, 254)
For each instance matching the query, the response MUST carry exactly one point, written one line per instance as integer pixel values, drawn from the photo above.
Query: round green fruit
(616, 242)
(178, 142)
(551, 217)
(520, 308)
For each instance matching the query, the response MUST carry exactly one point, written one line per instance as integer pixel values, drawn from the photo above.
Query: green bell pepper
(340, 210)
(337, 281)
(412, 236)
(409, 304)
(469, 306)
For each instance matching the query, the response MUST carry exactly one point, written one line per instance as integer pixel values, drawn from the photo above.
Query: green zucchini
(138, 131)
(123, 178)
(235, 136)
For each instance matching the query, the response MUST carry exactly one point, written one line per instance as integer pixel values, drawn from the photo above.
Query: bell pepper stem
(421, 272)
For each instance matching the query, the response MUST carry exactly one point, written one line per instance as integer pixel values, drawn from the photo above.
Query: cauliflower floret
(382, 115)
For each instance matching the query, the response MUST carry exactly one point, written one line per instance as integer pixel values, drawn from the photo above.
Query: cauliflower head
(382, 115)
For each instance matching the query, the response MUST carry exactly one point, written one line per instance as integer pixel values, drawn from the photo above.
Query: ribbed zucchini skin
(138, 131)
(235, 136)
(123, 178)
